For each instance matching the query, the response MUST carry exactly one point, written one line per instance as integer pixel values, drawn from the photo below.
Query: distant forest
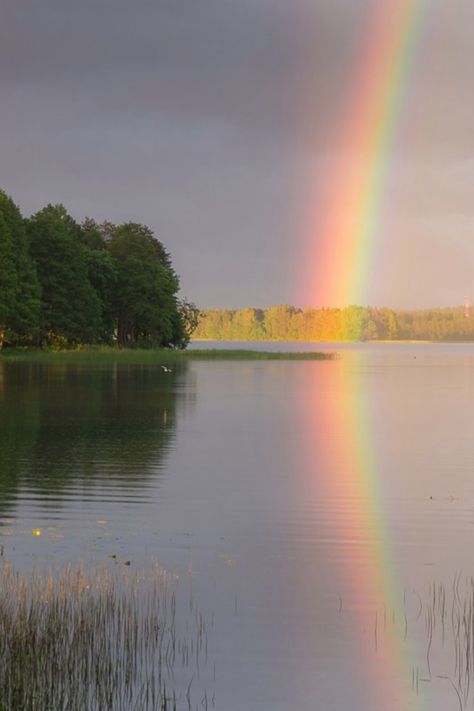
(63, 284)
(354, 323)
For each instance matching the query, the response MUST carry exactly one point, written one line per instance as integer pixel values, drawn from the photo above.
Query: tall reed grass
(98, 640)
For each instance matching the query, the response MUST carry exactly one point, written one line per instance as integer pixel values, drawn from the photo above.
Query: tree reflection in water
(67, 426)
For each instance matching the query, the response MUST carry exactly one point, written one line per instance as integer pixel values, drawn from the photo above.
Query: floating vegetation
(99, 640)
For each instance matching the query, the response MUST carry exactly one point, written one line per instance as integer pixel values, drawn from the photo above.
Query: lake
(321, 512)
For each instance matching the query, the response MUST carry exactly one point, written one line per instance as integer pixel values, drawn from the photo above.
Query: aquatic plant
(103, 639)
(439, 625)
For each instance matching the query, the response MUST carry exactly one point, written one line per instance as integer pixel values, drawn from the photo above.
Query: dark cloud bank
(208, 119)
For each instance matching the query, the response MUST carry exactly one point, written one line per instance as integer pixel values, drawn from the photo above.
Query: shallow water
(311, 504)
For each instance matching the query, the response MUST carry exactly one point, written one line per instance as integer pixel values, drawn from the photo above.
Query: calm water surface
(311, 504)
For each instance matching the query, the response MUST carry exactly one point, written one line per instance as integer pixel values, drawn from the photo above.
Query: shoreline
(413, 341)
(97, 356)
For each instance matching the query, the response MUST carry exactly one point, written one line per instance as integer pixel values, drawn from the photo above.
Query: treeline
(63, 284)
(354, 323)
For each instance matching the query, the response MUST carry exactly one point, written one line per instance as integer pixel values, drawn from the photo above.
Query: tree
(371, 332)
(353, 323)
(19, 288)
(392, 326)
(102, 273)
(7, 281)
(277, 322)
(70, 307)
(186, 322)
(145, 301)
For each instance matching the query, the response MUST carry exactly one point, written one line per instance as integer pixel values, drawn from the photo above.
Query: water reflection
(308, 500)
(346, 517)
(67, 428)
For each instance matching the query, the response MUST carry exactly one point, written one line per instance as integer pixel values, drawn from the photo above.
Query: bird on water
(165, 369)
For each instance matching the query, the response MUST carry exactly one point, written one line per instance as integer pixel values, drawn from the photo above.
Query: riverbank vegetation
(63, 284)
(354, 323)
(147, 356)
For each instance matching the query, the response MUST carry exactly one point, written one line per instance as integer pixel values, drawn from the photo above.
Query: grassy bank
(103, 355)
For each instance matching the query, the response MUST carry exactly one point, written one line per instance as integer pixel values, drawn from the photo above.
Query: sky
(216, 122)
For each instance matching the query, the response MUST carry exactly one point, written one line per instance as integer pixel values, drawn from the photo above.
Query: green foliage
(91, 235)
(145, 302)
(186, 322)
(70, 307)
(102, 274)
(19, 288)
(7, 280)
(63, 284)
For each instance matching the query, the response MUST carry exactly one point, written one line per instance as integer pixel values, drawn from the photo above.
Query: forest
(353, 323)
(64, 284)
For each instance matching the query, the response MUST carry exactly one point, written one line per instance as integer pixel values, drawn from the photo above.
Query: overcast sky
(209, 119)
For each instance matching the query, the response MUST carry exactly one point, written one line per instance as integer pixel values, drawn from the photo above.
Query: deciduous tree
(70, 307)
(19, 288)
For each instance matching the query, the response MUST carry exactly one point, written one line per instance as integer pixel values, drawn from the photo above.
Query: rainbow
(346, 221)
(345, 230)
(347, 477)
(389, 676)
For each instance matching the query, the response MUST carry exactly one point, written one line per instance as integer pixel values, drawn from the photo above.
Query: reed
(440, 626)
(97, 640)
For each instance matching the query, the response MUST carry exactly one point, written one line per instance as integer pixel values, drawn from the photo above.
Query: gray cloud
(207, 119)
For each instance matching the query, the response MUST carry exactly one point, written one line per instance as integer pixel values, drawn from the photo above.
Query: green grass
(104, 355)
(217, 354)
